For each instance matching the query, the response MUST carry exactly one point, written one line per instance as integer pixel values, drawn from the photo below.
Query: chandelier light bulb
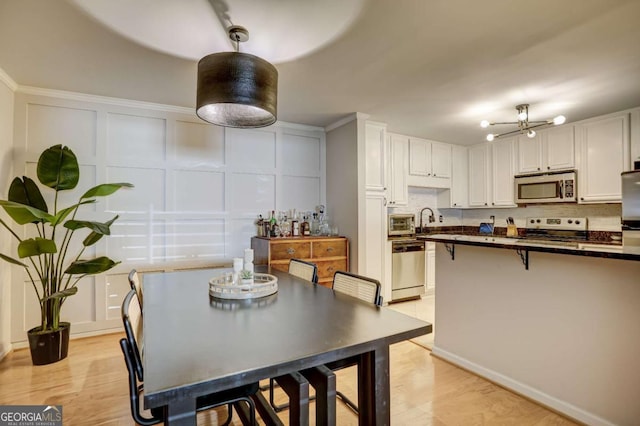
(524, 124)
(559, 120)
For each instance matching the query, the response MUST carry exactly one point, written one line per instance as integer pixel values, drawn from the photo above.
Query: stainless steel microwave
(401, 224)
(557, 187)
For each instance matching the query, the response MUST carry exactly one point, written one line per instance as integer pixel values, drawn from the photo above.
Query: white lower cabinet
(375, 262)
(604, 154)
(431, 265)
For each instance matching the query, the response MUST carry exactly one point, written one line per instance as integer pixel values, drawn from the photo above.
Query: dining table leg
(181, 412)
(373, 387)
(323, 381)
(297, 389)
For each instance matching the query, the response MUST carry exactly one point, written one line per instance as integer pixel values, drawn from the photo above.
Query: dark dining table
(195, 344)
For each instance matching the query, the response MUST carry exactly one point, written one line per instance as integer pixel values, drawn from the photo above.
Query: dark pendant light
(237, 89)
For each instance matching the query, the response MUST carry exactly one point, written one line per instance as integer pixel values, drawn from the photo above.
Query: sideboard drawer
(326, 268)
(331, 248)
(290, 250)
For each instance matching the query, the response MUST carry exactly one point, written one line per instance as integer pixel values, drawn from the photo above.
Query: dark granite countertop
(595, 248)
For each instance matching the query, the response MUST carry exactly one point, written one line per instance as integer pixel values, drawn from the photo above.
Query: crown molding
(6, 79)
(349, 118)
(83, 97)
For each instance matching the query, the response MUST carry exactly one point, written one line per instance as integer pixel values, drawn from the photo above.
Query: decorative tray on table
(223, 287)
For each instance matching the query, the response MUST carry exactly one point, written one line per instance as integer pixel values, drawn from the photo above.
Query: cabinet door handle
(485, 204)
(385, 201)
(329, 248)
(290, 250)
(330, 269)
(548, 167)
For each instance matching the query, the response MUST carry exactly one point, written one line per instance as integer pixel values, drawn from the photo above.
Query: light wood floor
(91, 385)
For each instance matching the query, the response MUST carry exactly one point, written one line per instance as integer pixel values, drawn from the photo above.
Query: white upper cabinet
(399, 155)
(491, 170)
(604, 154)
(458, 196)
(419, 157)
(558, 148)
(552, 149)
(429, 163)
(503, 171)
(479, 177)
(375, 151)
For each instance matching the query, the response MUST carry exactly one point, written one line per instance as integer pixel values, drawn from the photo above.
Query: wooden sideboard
(331, 254)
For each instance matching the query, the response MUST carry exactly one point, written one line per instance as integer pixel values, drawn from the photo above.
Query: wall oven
(557, 187)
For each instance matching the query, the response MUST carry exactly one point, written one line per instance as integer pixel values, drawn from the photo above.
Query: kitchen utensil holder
(512, 231)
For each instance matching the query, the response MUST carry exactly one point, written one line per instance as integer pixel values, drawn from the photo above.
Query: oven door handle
(561, 189)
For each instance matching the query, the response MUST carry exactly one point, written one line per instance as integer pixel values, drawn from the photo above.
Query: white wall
(7, 86)
(198, 188)
(342, 184)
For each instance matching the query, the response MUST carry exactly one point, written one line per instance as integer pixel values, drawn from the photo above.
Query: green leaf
(12, 260)
(91, 239)
(94, 237)
(105, 189)
(58, 168)
(92, 266)
(26, 192)
(64, 293)
(24, 214)
(100, 228)
(62, 214)
(36, 247)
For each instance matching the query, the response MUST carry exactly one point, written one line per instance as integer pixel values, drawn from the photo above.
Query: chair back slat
(305, 270)
(132, 320)
(136, 284)
(363, 288)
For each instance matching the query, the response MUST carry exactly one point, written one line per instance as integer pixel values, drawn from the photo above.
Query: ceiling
(428, 68)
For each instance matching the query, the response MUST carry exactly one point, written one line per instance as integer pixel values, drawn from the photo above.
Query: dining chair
(133, 353)
(305, 270)
(363, 288)
(134, 282)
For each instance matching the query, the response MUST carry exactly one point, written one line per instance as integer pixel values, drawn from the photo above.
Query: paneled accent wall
(198, 188)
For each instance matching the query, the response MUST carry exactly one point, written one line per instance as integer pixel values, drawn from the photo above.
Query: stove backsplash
(601, 217)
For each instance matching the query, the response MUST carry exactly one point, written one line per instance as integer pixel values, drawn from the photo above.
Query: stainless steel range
(556, 228)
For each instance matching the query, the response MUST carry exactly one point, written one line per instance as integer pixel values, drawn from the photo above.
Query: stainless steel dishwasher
(408, 269)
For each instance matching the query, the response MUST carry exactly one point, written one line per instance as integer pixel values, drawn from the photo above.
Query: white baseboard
(5, 351)
(25, 343)
(522, 389)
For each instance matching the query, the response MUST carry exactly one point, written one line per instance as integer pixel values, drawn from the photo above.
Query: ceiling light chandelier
(524, 125)
(237, 89)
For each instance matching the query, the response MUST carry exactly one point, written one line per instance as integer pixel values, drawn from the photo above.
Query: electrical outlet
(440, 219)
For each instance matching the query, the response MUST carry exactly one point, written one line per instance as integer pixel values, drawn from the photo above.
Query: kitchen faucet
(432, 217)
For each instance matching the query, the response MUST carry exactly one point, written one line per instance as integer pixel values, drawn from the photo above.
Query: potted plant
(45, 255)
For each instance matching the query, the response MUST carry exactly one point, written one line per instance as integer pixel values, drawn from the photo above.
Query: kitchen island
(565, 332)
